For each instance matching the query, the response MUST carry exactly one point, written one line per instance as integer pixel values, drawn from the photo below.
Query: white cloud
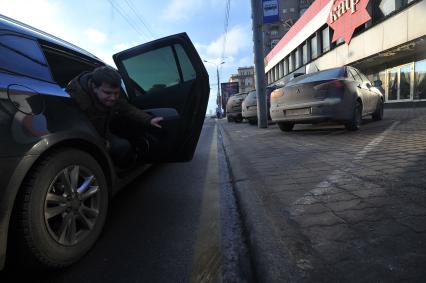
(40, 14)
(121, 46)
(182, 9)
(237, 39)
(95, 36)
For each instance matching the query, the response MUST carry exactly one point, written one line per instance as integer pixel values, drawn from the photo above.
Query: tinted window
(352, 74)
(188, 71)
(23, 56)
(318, 76)
(153, 69)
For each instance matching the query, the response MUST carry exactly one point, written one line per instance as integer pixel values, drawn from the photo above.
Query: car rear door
(167, 78)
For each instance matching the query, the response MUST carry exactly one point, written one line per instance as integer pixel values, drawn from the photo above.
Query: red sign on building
(345, 16)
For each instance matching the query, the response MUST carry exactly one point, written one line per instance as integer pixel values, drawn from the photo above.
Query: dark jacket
(98, 114)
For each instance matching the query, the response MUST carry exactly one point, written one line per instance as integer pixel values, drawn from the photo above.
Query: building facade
(289, 11)
(388, 46)
(245, 79)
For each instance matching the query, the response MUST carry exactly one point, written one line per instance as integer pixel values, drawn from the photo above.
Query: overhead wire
(121, 11)
(140, 18)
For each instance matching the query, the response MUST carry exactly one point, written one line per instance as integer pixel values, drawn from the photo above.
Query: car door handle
(167, 113)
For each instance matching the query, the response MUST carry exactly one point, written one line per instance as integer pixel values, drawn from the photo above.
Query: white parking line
(375, 142)
(326, 186)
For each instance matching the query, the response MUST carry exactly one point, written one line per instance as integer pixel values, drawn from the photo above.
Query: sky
(105, 27)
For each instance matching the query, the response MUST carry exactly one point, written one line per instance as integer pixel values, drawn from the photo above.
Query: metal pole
(218, 91)
(257, 21)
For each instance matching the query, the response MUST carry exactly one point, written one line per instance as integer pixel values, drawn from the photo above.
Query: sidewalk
(321, 204)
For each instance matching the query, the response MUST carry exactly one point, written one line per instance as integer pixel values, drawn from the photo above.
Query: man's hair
(106, 75)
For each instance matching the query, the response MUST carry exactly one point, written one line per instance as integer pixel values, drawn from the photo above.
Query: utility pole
(219, 96)
(257, 22)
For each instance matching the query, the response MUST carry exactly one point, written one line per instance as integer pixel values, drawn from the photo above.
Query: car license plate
(301, 111)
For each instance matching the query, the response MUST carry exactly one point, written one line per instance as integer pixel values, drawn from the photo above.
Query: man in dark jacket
(98, 95)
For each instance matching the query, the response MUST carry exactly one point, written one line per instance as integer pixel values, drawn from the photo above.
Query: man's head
(105, 84)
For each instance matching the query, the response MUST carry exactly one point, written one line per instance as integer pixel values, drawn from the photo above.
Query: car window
(154, 69)
(318, 76)
(75, 65)
(354, 74)
(188, 71)
(23, 56)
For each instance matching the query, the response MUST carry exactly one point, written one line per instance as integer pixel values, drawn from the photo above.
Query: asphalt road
(165, 227)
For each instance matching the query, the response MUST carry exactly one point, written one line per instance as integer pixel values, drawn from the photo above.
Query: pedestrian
(97, 93)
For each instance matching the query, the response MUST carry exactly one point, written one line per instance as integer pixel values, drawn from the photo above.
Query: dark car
(341, 94)
(56, 176)
(233, 107)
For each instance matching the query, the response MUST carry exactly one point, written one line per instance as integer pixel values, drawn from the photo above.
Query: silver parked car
(341, 94)
(249, 108)
(233, 107)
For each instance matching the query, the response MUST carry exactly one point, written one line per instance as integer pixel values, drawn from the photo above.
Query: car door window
(188, 71)
(356, 75)
(153, 70)
(23, 56)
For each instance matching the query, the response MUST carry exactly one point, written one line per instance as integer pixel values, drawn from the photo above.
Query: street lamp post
(219, 97)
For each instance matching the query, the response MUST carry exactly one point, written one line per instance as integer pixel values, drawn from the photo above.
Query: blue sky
(97, 27)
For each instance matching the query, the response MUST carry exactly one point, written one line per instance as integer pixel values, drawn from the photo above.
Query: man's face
(107, 94)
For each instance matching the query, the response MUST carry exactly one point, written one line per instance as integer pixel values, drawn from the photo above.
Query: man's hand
(155, 121)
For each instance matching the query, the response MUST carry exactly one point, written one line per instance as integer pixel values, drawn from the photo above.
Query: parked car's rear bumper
(250, 112)
(333, 109)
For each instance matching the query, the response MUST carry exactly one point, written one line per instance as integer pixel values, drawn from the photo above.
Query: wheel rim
(71, 206)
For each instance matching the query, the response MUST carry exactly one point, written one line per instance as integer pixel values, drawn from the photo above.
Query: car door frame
(189, 122)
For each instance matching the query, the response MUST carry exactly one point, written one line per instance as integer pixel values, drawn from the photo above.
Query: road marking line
(336, 176)
(375, 142)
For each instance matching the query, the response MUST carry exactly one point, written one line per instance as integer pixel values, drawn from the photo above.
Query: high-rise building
(245, 79)
(289, 12)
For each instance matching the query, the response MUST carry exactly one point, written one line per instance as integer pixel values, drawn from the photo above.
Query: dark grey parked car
(233, 107)
(56, 176)
(341, 94)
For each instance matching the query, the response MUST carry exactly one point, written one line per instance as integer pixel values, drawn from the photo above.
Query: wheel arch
(29, 162)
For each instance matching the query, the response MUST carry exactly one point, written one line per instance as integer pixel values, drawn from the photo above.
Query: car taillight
(277, 93)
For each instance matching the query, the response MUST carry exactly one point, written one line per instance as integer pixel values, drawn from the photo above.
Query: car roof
(9, 24)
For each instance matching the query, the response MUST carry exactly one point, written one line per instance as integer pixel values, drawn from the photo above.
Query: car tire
(252, 122)
(378, 114)
(356, 121)
(229, 119)
(285, 126)
(60, 210)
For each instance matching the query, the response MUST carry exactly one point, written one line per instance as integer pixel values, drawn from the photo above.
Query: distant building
(289, 12)
(245, 78)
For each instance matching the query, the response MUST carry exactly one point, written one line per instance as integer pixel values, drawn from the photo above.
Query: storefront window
(420, 80)
(393, 84)
(298, 58)
(314, 47)
(325, 39)
(280, 69)
(286, 66)
(291, 62)
(404, 82)
(305, 53)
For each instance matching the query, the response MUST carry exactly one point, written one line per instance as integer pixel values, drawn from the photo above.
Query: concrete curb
(279, 252)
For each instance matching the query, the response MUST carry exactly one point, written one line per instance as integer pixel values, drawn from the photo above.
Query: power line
(227, 9)
(127, 19)
(140, 18)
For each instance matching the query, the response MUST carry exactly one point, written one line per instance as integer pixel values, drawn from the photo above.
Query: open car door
(167, 78)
